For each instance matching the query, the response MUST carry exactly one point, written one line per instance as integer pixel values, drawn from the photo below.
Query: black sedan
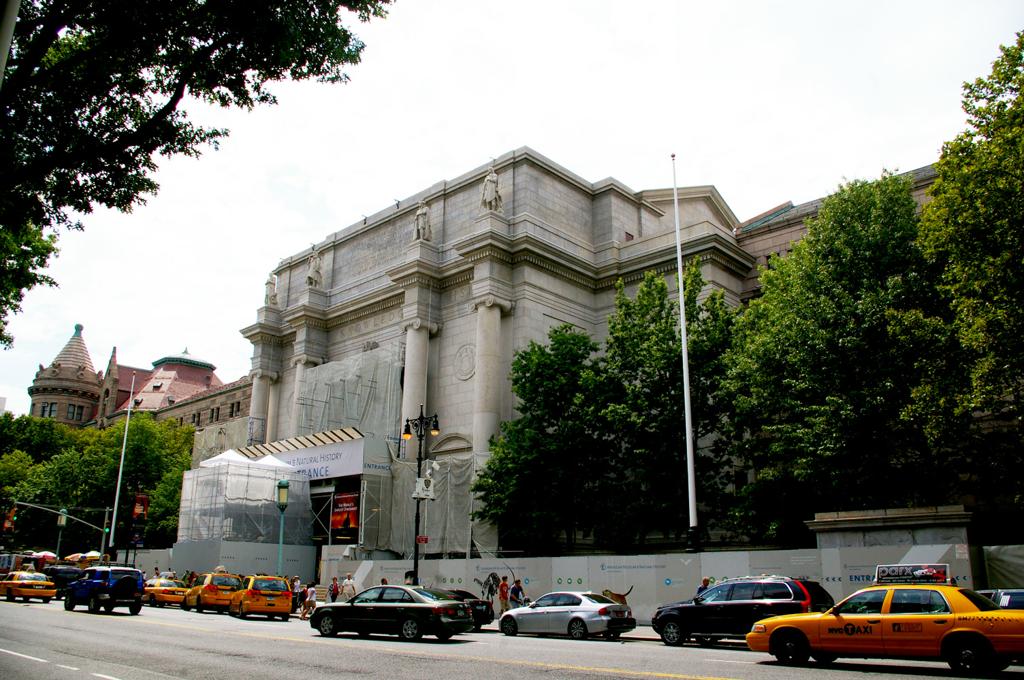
(483, 611)
(410, 612)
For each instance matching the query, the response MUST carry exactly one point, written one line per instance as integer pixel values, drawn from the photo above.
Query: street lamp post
(282, 504)
(62, 519)
(420, 426)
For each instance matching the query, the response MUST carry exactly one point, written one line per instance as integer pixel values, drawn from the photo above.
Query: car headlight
(759, 628)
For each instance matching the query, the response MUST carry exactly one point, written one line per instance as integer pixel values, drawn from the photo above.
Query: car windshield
(432, 594)
(274, 584)
(599, 599)
(980, 601)
(167, 583)
(230, 581)
(33, 577)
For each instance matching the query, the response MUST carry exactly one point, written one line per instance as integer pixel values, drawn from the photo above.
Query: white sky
(768, 101)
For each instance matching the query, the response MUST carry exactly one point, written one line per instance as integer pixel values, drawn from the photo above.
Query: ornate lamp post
(420, 426)
(282, 504)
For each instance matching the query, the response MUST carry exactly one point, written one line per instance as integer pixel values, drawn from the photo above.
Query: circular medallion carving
(465, 362)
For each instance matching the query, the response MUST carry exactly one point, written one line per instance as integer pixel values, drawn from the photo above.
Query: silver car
(575, 614)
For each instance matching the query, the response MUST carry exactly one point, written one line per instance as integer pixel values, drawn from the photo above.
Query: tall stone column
(300, 363)
(258, 403)
(414, 384)
(488, 374)
(273, 400)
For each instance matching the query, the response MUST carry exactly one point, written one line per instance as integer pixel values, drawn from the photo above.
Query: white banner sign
(340, 459)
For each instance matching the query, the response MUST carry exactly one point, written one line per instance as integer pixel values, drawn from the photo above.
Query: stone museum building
(426, 302)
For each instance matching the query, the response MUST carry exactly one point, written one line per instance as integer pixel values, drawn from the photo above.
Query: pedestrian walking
(309, 604)
(516, 594)
(348, 588)
(503, 594)
(704, 584)
(297, 593)
(334, 589)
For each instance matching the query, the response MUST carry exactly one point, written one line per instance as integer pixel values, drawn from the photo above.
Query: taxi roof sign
(912, 573)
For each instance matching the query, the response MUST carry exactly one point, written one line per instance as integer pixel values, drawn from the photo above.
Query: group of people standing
(510, 597)
(304, 596)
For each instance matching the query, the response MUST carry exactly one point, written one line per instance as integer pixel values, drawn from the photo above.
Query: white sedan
(575, 614)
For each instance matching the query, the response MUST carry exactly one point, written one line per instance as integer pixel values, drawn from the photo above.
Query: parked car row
(917, 617)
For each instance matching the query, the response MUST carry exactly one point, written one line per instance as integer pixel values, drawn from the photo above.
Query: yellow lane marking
(619, 672)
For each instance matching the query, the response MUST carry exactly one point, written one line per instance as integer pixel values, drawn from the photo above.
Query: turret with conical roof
(68, 389)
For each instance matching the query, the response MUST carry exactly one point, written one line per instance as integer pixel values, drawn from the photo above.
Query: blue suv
(106, 587)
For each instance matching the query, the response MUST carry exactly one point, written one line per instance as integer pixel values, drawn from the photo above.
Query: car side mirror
(532, 605)
(698, 600)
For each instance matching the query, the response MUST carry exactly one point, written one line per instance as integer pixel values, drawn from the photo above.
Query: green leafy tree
(83, 478)
(40, 438)
(534, 484)
(820, 382)
(635, 403)
(93, 94)
(974, 230)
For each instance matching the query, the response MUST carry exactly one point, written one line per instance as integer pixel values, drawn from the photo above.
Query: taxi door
(916, 620)
(854, 626)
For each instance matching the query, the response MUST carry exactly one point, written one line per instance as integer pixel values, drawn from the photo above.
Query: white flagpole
(691, 482)
(120, 467)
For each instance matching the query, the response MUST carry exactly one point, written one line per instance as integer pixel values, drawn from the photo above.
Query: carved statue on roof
(490, 197)
(315, 275)
(423, 222)
(270, 299)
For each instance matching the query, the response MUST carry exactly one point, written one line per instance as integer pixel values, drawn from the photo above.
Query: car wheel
(69, 603)
(109, 607)
(10, 596)
(94, 605)
(160, 604)
(26, 598)
(477, 627)
(444, 636)
(199, 605)
(285, 616)
(185, 605)
(242, 613)
(704, 640)
(577, 629)
(509, 627)
(672, 634)
(409, 630)
(972, 655)
(790, 647)
(363, 633)
(327, 626)
(613, 636)
(135, 607)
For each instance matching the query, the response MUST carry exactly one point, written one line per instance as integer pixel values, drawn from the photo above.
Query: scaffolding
(237, 502)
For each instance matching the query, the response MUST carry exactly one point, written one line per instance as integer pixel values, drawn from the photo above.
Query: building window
(48, 410)
(71, 412)
(32, 409)
(197, 418)
(215, 414)
(79, 413)
(629, 237)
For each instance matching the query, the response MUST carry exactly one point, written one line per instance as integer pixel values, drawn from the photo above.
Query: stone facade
(452, 310)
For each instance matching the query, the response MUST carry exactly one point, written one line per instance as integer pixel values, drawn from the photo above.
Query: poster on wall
(345, 513)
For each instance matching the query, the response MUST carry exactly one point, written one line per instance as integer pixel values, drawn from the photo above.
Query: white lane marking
(70, 668)
(105, 677)
(24, 656)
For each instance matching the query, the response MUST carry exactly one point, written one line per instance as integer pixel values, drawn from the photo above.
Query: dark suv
(62, 575)
(106, 587)
(730, 608)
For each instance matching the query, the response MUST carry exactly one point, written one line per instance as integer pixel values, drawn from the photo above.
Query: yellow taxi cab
(161, 591)
(268, 595)
(211, 591)
(910, 613)
(26, 585)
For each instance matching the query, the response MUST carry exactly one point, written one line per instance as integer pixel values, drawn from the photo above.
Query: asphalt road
(44, 641)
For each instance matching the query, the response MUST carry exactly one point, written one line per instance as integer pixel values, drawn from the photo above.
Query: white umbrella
(45, 553)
